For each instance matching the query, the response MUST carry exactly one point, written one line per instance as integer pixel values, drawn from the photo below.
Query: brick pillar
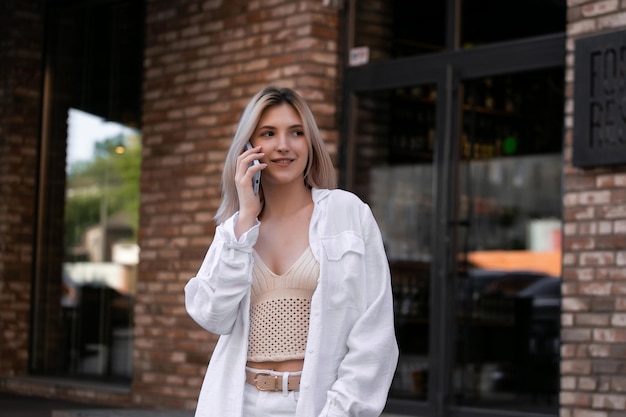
(21, 36)
(593, 334)
(203, 62)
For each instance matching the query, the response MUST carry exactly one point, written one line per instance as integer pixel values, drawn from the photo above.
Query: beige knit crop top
(280, 306)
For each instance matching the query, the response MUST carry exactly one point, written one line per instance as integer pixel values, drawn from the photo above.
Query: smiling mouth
(282, 161)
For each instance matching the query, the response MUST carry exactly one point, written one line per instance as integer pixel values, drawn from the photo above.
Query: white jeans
(269, 403)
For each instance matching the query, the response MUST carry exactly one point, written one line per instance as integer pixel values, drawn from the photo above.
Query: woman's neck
(285, 200)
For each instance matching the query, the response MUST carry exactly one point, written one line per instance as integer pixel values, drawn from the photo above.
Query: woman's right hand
(249, 203)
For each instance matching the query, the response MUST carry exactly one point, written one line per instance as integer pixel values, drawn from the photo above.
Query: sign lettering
(600, 100)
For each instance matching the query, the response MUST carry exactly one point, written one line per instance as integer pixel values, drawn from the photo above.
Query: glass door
(508, 230)
(392, 156)
(471, 222)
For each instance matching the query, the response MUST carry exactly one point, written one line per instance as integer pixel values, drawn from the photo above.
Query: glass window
(394, 173)
(491, 21)
(509, 242)
(100, 244)
(91, 152)
(402, 28)
(399, 28)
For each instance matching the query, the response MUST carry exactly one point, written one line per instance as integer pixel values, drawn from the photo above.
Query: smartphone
(256, 178)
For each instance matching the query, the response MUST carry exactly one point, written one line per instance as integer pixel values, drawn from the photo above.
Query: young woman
(296, 280)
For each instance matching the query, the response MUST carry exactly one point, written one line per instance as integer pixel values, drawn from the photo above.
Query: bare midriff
(293, 365)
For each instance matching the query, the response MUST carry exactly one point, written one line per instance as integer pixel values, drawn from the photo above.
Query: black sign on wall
(600, 100)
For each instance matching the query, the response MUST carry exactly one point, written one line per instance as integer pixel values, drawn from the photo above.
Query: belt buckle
(256, 381)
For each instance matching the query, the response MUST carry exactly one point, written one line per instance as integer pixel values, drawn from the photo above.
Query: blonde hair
(319, 172)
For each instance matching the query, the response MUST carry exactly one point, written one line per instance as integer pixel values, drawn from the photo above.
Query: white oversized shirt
(351, 351)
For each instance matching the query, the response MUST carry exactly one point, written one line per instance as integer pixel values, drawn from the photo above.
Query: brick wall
(593, 367)
(203, 61)
(21, 31)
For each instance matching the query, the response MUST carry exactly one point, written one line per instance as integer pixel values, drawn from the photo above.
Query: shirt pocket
(344, 254)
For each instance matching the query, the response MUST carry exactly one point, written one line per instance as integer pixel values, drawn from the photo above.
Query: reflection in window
(101, 253)
(393, 161)
(509, 239)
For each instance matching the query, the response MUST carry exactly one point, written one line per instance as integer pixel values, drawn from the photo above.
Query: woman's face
(280, 134)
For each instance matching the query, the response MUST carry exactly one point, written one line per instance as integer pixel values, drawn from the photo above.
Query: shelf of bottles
(492, 125)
